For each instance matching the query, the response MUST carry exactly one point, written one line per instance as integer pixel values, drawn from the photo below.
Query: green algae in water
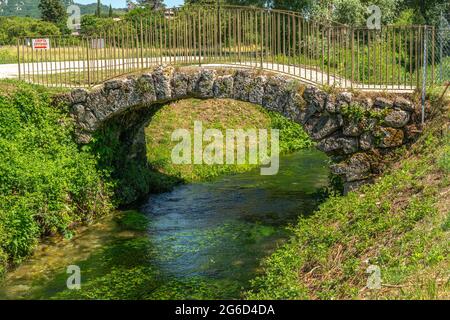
(133, 220)
(201, 241)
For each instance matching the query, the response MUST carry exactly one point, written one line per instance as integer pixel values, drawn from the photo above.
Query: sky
(122, 3)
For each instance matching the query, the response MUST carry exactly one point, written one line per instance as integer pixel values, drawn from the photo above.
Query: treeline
(30, 8)
(12, 28)
(354, 12)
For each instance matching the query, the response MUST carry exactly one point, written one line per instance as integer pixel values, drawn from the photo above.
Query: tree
(306, 7)
(428, 11)
(130, 5)
(52, 11)
(255, 3)
(110, 11)
(91, 24)
(152, 4)
(98, 13)
(351, 12)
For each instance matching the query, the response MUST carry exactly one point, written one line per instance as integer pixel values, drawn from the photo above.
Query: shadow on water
(200, 241)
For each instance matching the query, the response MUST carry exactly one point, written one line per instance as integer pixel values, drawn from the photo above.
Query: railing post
(239, 31)
(88, 62)
(142, 44)
(441, 48)
(199, 39)
(353, 56)
(18, 58)
(262, 39)
(328, 55)
(219, 28)
(424, 72)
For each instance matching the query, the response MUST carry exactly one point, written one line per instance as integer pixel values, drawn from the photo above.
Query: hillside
(29, 8)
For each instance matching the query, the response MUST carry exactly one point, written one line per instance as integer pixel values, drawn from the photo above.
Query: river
(200, 241)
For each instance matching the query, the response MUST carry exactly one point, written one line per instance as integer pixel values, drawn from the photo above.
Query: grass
(56, 53)
(214, 114)
(9, 87)
(400, 224)
(8, 54)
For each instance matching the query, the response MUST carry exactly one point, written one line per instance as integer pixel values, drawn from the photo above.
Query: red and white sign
(41, 44)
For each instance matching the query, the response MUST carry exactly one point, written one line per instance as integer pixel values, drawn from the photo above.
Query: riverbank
(200, 241)
(398, 226)
(50, 185)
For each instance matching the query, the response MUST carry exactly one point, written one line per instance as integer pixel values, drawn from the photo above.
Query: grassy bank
(221, 114)
(400, 225)
(47, 184)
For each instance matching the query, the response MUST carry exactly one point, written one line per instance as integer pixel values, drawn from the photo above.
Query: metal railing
(318, 53)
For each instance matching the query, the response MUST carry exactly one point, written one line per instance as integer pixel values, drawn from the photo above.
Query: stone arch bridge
(359, 131)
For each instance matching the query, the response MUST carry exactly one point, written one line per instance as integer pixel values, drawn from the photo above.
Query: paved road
(304, 74)
(8, 71)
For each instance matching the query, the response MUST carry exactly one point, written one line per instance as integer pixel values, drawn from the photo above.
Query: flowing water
(200, 241)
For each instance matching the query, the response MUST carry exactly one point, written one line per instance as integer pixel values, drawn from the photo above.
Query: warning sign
(41, 44)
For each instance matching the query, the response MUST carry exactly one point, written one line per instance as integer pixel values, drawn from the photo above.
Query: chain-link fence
(438, 75)
(437, 65)
(443, 52)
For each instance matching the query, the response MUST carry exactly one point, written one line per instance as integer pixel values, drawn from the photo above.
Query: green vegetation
(30, 8)
(91, 24)
(12, 28)
(47, 183)
(133, 220)
(91, 9)
(8, 55)
(399, 224)
(358, 113)
(353, 12)
(131, 178)
(53, 11)
(214, 114)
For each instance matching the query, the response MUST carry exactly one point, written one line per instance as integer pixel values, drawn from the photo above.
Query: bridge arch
(356, 131)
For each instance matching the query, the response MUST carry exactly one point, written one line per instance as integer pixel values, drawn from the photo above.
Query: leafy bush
(292, 135)
(91, 24)
(46, 182)
(131, 178)
(349, 12)
(12, 28)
